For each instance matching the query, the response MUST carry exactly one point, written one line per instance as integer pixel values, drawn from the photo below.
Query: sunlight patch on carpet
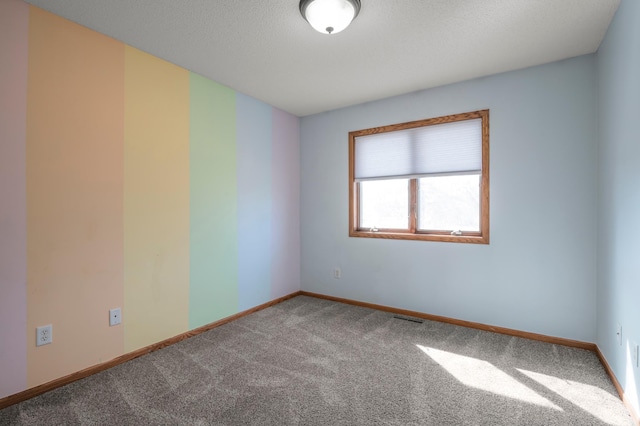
(590, 398)
(482, 375)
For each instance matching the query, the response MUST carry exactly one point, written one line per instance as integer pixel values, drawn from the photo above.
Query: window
(423, 180)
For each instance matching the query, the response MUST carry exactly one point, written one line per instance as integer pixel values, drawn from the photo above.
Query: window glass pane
(384, 204)
(449, 203)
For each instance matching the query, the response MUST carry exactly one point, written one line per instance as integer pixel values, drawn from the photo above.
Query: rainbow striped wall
(127, 181)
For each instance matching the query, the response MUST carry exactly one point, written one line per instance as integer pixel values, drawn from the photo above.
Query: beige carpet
(313, 362)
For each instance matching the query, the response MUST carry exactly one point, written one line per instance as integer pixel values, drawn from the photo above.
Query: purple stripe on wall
(285, 207)
(14, 22)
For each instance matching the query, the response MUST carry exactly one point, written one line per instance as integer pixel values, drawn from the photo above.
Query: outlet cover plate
(44, 335)
(635, 354)
(115, 316)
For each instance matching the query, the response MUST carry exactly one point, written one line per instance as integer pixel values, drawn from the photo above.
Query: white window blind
(454, 147)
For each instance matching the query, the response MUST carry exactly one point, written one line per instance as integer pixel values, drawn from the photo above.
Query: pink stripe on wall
(14, 19)
(285, 192)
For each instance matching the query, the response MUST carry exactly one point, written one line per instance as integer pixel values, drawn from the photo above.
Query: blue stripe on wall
(254, 139)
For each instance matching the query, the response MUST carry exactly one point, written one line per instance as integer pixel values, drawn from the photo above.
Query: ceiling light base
(329, 16)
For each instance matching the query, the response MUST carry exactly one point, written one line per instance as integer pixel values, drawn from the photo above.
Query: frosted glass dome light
(329, 16)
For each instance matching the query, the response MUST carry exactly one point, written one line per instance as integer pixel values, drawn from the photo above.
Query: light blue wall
(539, 272)
(619, 196)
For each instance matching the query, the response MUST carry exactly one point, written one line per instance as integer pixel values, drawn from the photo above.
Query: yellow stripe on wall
(74, 154)
(156, 200)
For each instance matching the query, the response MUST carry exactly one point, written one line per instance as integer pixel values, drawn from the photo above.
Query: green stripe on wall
(214, 224)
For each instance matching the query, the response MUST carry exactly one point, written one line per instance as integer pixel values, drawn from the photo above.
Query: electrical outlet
(115, 316)
(619, 334)
(337, 273)
(44, 335)
(635, 354)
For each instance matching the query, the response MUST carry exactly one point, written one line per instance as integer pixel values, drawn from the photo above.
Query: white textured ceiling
(265, 49)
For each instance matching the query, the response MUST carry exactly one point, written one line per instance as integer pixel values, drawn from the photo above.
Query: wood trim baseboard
(469, 324)
(62, 381)
(634, 416)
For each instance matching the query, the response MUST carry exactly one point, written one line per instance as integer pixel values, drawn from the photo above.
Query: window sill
(466, 239)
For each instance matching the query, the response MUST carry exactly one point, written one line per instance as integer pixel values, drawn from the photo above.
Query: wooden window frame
(412, 233)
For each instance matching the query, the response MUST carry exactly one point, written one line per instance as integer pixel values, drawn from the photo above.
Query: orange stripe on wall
(75, 137)
(156, 200)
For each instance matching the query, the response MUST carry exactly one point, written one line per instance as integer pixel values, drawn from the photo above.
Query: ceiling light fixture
(329, 16)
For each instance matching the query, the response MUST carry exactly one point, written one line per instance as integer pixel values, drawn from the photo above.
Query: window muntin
(424, 180)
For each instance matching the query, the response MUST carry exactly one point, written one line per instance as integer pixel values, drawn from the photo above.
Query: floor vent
(418, 320)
